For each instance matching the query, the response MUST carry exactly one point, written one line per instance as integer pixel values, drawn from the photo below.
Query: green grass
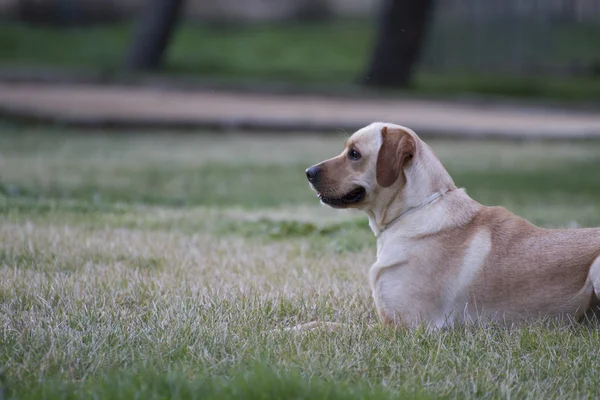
(260, 383)
(333, 54)
(153, 265)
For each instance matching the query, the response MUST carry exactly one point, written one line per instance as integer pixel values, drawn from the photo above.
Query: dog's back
(535, 270)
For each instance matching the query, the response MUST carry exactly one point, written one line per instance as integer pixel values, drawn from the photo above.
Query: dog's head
(374, 159)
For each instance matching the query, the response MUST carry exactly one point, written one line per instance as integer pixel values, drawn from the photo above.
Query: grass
(328, 53)
(151, 266)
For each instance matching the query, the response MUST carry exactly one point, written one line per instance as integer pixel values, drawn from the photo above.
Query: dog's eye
(353, 154)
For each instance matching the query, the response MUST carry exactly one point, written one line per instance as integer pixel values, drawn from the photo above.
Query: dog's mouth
(353, 197)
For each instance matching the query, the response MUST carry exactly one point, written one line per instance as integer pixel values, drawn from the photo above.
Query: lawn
(151, 266)
(322, 54)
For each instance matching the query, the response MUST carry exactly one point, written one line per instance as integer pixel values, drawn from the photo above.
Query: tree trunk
(402, 29)
(152, 34)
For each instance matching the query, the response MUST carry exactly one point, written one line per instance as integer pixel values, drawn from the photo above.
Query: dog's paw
(311, 326)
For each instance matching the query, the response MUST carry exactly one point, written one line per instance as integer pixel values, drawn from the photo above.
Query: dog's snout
(312, 173)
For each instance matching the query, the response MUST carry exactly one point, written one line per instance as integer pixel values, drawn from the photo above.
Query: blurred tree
(152, 34)
(401, 31)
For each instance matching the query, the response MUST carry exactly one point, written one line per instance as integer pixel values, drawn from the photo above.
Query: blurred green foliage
(330, 54)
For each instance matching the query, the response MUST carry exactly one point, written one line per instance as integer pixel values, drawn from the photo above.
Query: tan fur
(452, 260)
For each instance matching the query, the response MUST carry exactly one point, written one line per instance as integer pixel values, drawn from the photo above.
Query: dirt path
(143, 107)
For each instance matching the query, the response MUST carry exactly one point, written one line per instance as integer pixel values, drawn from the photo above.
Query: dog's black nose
(312, 173)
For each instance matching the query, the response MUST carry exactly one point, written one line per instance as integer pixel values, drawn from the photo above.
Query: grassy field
(331, 54)
(151, 266)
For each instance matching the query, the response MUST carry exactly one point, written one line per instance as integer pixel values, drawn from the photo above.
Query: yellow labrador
(443, 258)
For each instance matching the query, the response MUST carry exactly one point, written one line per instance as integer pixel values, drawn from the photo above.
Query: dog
(444, 259)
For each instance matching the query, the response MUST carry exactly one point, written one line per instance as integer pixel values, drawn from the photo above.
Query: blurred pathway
(143, 107)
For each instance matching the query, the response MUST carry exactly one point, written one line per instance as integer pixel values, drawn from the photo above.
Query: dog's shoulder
(500, 220)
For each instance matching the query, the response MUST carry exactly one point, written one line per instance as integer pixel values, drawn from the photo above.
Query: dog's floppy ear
(397, 147)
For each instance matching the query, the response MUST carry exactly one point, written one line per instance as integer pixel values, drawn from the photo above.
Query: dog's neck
(425, 182)
(435, 196)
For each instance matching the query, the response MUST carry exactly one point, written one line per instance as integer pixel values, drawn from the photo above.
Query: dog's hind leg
(594, 276)
(592, 315)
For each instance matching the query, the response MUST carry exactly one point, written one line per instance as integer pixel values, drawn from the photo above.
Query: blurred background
(523, 48)
(484, 70)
